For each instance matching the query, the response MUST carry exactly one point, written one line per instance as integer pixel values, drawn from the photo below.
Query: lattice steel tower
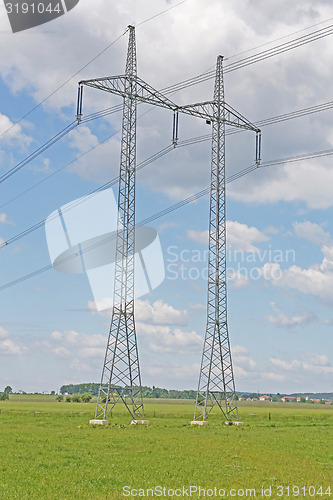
(121, 379)
(216, 381)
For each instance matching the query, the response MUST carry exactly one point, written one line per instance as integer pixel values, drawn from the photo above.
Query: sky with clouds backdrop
(279, 217)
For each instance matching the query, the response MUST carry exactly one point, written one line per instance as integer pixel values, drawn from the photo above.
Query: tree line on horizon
(147, 392)
(157, 392)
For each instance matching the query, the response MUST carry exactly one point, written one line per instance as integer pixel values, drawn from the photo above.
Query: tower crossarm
(112, 84)
(118, 85)
(144, 92)
(147, 93)
(203, 110)
(207, 110)
(235, 119)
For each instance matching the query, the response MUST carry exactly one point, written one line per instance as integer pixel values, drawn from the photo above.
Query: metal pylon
(216, 381)
(121, 379)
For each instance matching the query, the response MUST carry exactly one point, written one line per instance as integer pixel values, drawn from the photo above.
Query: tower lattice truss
(121, 379)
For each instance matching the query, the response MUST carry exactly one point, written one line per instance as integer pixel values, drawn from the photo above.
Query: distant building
(285, 399)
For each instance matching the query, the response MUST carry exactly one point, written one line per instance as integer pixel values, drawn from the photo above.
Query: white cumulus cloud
(239, 236)
(165, 339)
(8, 346)
(312, 232)
(282, 320)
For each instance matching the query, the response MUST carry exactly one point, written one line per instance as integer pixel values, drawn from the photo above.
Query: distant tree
(86, 397)
(76, 398)
(68, 399)
(8, 389)
(60, 397)
(4, 396)
(52, 393)
(92, 388)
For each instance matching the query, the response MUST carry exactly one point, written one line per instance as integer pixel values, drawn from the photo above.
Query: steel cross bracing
(121, 366)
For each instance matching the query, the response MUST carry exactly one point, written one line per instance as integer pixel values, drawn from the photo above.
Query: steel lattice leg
(216, 380)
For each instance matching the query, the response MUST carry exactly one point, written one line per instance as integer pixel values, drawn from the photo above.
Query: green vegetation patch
(49, 450)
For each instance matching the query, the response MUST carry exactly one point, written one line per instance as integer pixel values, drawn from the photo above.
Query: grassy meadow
(48, 449)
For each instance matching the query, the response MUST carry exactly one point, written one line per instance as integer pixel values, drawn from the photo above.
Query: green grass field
(48, 450)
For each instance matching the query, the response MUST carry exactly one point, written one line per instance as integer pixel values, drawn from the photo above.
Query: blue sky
(280, 234)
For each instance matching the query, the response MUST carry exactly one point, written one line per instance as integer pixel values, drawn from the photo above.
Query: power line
(108, 238)
(172, 208)
(62, 85)
(105, 112)
(57, 138)
(93, 116)
(58, 171)
(75, 203)
(278, 39)
(84, 67)
(296, 114)
(279, 49)
(167, 149)
(38, 152)
(160, 13)
(271, 41)
(305, 156)
(289, 116)
(316, 35)
(140, 166)
(185, 84)
(52, 141)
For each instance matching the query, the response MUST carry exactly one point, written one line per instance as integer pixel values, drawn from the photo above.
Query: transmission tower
(121, 379)
(121, 373)
(216, 380)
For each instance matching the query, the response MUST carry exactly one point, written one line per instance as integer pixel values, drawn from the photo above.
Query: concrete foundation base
(99, 422)
(234, 422)
(138, 422)
(198, 422)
